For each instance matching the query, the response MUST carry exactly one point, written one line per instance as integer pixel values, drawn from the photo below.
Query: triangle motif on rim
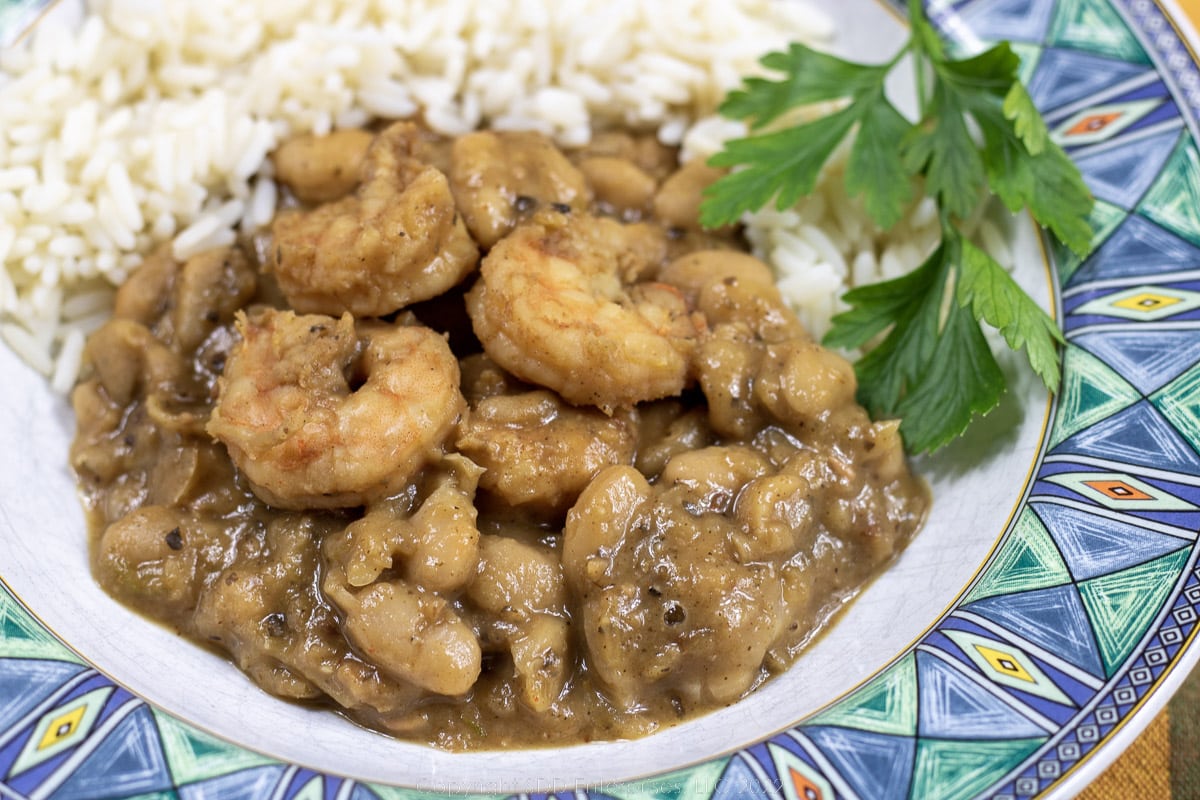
(955, 770)
(1148, 359)
(887, 703)
(1095, 26)
(1017, 20)
(1065, 75)
(197, 756)
(1093, 545)
(738, 782)
(1091, 391)
(1028, 560)
(953, 706)
(1103, 220)
(1179, 402)
(1137, 435)
(251, 784)
(1123, 604)
(1122, 172)
(1053, 619)
(1174, 200)
(875, 765)
(1138, 247)
(21, 636)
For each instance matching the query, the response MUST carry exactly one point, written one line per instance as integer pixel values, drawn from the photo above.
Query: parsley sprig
(978, 129)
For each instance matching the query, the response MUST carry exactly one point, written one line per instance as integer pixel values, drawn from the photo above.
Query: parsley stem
(894, 60)
(922, 90)
(916, 17)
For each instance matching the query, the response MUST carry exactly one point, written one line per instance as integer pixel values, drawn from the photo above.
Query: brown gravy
(555, 527)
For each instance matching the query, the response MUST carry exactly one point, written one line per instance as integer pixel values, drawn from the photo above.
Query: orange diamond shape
(1094, 122)
(1118, 490)
(805, 788)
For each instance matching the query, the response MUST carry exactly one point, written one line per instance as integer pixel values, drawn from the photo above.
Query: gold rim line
(1186, 29)
(33, 23)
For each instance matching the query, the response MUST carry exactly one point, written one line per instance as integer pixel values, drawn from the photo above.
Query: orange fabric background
(1142, 771)
(1192, 9)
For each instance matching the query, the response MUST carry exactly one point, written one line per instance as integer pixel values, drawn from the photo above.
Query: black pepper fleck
(174, 539)
(524, 203)
(561, 208)
(276, 624)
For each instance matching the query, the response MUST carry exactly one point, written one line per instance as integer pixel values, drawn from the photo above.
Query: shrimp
(305, 439)
(396, 241)
(563, 302)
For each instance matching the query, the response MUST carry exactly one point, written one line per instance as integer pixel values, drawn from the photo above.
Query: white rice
(128, 123)
(835, 246)
(829, 244)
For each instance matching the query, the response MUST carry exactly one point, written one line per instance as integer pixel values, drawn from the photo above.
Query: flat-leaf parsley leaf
(977, 129)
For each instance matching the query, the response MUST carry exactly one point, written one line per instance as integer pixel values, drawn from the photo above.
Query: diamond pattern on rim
(1143, 303)
(1101, 122)
(61, 728)
(1120, 491)
(1008, 666)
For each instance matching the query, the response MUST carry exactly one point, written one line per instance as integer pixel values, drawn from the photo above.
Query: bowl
(1031, 629)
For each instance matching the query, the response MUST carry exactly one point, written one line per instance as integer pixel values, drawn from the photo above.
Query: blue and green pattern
(1089, 600)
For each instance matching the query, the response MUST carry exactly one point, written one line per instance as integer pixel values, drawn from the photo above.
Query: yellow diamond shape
(1004, 663)
(1146, 301)
(1010, 667)
(62, 727)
